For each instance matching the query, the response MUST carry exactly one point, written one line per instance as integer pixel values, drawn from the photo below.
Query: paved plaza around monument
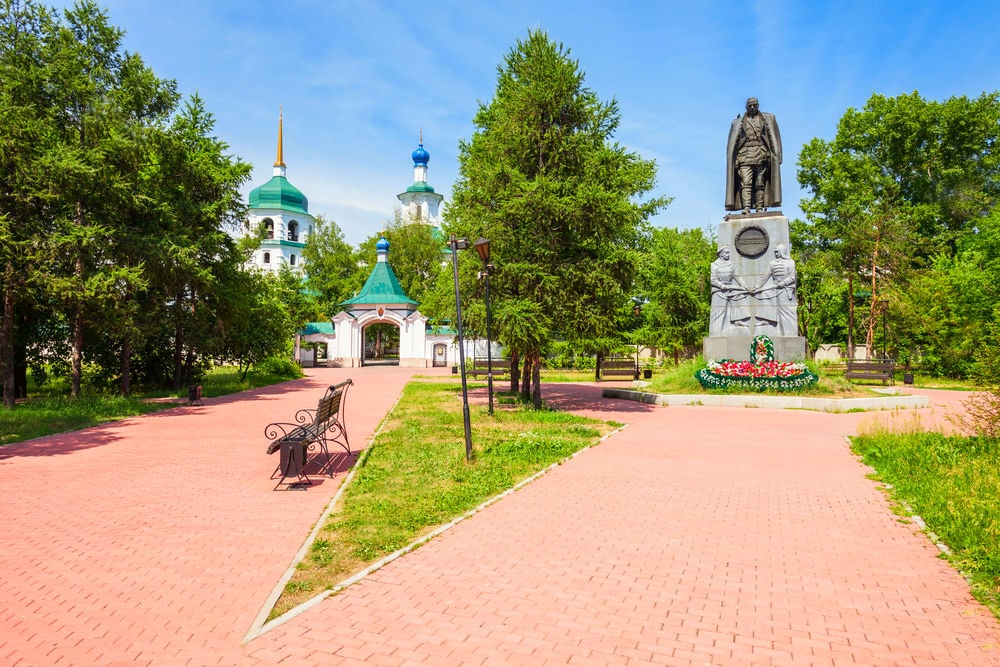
(695, 535)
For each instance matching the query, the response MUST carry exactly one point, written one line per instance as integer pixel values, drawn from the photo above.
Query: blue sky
(359, 80)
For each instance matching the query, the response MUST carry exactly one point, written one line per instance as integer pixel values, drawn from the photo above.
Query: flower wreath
(761, 350)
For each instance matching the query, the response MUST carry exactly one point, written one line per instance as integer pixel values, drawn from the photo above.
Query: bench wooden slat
(619, 368)
(871, 370)
(480, 367)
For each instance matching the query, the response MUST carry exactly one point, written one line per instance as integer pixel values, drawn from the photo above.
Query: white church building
(283, 210)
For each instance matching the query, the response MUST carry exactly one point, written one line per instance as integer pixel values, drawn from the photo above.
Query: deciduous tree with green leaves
(561, 202)
(416, 254)
(330, 265)
(901, 183)
(673, 287)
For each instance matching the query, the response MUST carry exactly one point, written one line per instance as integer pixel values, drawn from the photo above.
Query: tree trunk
(536, 380)
(126, 367)
(7, 346)
(515, 367)
(76, 356)
(597, 366)
(526, 378)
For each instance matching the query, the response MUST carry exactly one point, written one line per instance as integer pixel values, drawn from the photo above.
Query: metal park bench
(481, 367)
(308, 440)
(878, 369)
(619, 368)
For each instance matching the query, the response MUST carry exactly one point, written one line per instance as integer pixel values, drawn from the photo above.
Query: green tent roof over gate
(381, 288)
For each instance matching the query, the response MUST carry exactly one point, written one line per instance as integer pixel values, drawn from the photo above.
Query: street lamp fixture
(457, 244)
(483, 249)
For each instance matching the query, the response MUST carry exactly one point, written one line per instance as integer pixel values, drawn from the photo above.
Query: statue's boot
(759, 199)
(746, 198)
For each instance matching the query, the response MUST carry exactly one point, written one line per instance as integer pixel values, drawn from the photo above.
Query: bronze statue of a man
(753, 161)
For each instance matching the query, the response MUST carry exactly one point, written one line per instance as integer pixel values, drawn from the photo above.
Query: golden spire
(280, 162)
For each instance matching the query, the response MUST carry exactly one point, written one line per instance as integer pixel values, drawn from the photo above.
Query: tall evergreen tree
(112, 203)
(560, 201)
(102, 99)
(24, 133)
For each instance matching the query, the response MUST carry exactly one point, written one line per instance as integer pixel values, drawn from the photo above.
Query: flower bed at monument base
(760, 376)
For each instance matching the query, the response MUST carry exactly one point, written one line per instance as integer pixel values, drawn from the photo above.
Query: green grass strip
(953, 484)
(415, 478)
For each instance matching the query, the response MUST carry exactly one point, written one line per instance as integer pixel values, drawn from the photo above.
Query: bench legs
(314, 452)
(291, 465)
(298, 455)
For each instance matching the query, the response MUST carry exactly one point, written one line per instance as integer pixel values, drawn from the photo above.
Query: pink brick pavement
(156, 540)
(695, 536)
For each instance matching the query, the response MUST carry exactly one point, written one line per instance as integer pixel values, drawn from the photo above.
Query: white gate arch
(382, 300)
(349, 347)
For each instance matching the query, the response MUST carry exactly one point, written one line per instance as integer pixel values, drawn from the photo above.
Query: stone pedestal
(786, 348)
(754, 289)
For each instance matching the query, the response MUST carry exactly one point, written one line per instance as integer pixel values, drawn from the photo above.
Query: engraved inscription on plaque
(751, 242)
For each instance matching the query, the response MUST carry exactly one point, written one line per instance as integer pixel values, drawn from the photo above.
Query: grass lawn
(414, 478)
(953, 484)
(50, 410)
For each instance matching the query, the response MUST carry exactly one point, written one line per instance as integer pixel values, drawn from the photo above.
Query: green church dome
(279, 193)
(420, 186)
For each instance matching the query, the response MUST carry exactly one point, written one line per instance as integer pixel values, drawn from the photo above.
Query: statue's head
(753, 106)
(781, 251)
(722, 252)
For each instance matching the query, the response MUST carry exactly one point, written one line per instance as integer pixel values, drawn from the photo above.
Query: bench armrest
(276, 431)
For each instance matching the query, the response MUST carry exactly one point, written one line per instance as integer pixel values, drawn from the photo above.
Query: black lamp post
(483, 248)
(457, 244)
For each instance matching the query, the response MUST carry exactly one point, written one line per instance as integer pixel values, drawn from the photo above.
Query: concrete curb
(261, 625)
(896, 402)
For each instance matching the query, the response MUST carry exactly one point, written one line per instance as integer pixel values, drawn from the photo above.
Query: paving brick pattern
(156, 540)
(695, 536)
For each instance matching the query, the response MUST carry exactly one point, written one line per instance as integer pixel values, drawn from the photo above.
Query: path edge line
(259, 627)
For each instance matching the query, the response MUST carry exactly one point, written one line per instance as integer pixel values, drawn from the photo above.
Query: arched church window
(267, 258)
(269, 226)
(293, 231)
(420, 212)
(291, 260)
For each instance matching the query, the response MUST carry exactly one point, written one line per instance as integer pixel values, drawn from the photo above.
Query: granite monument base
(786, 348)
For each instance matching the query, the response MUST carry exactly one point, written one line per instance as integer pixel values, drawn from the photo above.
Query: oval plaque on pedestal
(751, 242)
